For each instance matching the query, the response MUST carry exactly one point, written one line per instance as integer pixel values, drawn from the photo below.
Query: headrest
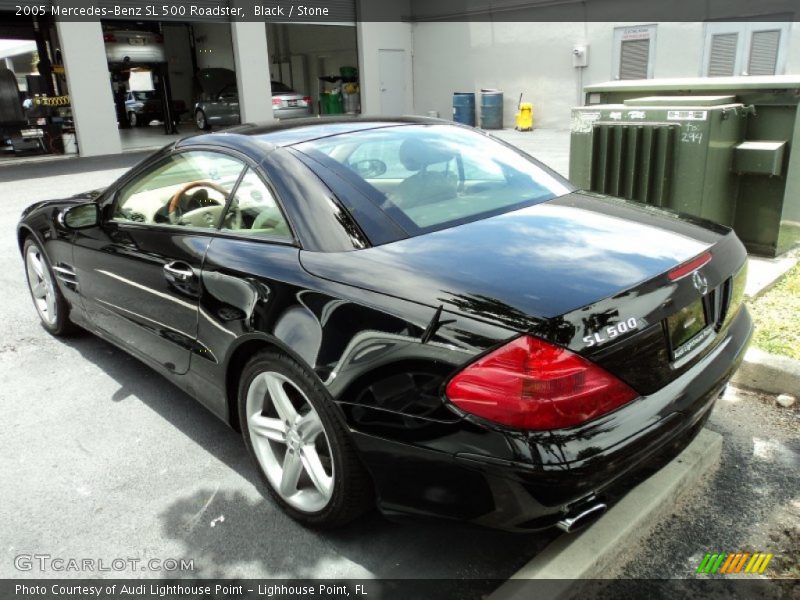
(416, 154)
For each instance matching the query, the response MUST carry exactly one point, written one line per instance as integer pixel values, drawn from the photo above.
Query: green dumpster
(718, 148)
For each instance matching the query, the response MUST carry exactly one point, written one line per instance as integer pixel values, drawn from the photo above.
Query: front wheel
(300, 443)
(47, 298)
(201, 121)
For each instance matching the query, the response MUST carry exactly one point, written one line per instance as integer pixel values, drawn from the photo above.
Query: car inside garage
(35, 111)
(318, 61)
(150, 67)
(188, 72)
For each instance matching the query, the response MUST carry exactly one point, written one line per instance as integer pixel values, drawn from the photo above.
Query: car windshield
(429, 177)
(144, 95)
(281, 88)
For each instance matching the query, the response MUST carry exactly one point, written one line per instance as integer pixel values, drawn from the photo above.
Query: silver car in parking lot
(220, 101)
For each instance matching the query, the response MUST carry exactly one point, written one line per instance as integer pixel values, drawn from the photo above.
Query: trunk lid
(534, 263)
(566, 270)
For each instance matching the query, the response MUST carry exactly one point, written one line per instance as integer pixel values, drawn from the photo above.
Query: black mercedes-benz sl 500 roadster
(403, 312)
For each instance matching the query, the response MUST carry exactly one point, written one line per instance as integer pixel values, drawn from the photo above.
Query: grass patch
(777, 317)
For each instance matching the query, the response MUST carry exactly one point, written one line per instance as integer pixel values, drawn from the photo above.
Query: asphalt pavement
(104, 459)
(751, 504)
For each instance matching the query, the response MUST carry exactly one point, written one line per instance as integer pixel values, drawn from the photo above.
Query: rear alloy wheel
(50, 304)
(300, 443)
(200, 120)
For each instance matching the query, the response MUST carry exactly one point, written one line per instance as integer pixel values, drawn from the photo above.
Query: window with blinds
(764, 47)
(750, 48)
(634, 59)
(722, 56)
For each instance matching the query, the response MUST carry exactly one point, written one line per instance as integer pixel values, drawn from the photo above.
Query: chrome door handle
(179, 271)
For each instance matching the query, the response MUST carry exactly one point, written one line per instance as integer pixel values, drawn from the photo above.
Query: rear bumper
(291, 113)
(549, 473)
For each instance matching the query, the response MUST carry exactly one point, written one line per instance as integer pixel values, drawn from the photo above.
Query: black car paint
(384, 334)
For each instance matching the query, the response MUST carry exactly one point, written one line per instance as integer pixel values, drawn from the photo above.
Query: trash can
(331, 103)
(70, 143)
(491, 109)
(464, 108)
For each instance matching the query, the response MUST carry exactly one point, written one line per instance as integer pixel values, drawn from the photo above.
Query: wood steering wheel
(176, 197)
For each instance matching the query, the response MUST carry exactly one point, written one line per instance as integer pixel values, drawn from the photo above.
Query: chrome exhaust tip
(581, 517)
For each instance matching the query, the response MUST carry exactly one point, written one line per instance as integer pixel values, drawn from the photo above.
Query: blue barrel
(464, 108)
(491, 109)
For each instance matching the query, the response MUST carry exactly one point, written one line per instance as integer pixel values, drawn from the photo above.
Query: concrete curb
(590, 553)
(765, 372)
(766, 273)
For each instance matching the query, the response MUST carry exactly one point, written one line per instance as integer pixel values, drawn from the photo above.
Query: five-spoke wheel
(50, 304)
(300, 442)
(290, 442)
(41, 285)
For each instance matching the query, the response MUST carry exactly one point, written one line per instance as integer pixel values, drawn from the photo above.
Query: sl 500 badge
(610, 332)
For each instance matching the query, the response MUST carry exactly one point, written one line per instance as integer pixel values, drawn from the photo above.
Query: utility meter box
(669, 152)
(721, 148)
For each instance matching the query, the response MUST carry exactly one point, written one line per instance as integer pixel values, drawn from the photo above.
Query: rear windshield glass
(280, 88)
(428, 177)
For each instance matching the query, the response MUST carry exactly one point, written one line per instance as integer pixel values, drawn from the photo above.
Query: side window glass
(185, 190)
(254, 210)
(229, 94)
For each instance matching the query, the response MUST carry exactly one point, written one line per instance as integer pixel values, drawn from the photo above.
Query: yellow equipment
(524, 119)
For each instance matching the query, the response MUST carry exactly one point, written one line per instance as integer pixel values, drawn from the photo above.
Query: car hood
(541, 261)
(213, 80)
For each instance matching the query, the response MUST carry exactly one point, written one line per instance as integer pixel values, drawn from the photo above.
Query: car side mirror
(80, 216)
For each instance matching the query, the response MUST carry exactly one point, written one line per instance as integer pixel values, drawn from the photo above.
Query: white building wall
(373, 37)
(535, 59)
(793, 55)
(89, 88)
(252, 71)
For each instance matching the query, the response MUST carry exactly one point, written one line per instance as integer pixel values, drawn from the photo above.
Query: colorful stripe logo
(738, 562)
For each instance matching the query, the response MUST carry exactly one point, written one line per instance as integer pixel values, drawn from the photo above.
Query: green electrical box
(718, 148)
(764, 158)
(673, 155)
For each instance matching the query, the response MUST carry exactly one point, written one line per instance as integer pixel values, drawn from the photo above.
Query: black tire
(201, 121)
(352, 486)
(61, 325)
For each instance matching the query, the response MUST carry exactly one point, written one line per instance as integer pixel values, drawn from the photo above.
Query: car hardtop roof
(296, 131)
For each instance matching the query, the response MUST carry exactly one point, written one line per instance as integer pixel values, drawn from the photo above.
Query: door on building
(392, 67)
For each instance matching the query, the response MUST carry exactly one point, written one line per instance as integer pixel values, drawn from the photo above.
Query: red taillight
(109, 37)
(306, 101)
(691, 265)
(531, 384)
(277, 102)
